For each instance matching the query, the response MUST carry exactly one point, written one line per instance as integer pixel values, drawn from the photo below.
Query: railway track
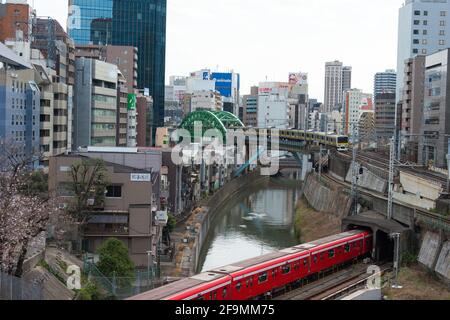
(336, 285)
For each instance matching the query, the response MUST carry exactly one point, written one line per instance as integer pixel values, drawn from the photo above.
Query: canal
(259, 221)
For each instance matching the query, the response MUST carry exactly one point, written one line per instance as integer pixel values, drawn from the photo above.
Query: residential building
(385, 117)
(412, 103)
(385, 82)
(206, 100)
(366, 128)
(137, 23)
(19, 106)
(355, 102)
(435, 129)
(424, 28)
(95, 107)
(127, 212)
(338, 78)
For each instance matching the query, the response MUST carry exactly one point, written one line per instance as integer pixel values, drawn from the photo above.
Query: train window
(274, 273)
(215, 295)
(224, 293)
(331, 254)
(262, 278)
(315, 259)
(210, 296)
(239, 286)
(305, 262)
(286, 269)
(347, 248)
(247, 282)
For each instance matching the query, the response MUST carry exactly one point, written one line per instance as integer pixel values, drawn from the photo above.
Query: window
(417, 13)
(424, 51)
(425, 22)
(416, 31)
(442, 23)
(262, 278)
(441, 42)
(416, 22)
(286, 269)
(239, 286)
(415, 50)
(442, 32)
(224, 293)
(425, 32)
(416, 41)
(315, 259)
(443, 13)
(114, 192)
(424, 41)
(305, 262)
(347, 248)
(425, 13)
(331, 254)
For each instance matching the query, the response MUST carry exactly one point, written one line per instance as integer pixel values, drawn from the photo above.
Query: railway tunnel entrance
(383, 231)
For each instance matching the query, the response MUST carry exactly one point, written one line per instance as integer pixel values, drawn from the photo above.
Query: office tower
(19, 106)
(385, 117)
(250, 110)
(435, 128)
(424, 28)
(385, 82)
(137, 23)
(95, 111)
(346, 78)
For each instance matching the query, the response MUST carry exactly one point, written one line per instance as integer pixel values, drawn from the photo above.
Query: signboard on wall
(132, 101)
(298, 78)
(141, 177)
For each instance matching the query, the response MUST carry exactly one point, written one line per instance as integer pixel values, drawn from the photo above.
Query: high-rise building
(19, 105)
(144, 107)
(338, 79)
(412, 105)
(385, 82)
(136, 23)
(346, 78)
(95, 103)
(424, 28)
(250, 110)
(385, 117)
(355, 103)
(16, 19)
(273, 106)
(435, 129)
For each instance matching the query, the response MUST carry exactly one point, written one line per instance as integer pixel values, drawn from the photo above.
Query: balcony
(103, 133)
(60, 120)
(60, 136)
(104, 119)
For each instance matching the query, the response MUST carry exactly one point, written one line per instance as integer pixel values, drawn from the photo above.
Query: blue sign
(205, 75)
(224, 83)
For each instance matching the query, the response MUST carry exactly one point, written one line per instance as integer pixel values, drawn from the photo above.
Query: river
(257, 222)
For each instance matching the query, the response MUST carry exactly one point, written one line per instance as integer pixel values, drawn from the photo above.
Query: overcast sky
(270, 38)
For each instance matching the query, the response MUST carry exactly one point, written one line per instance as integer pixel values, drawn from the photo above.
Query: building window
(441, 42)
(425, 13)
(416, 41)
(114, 192)
(425, 32)
(424, 41)
(417, 13)
(415, 50)
(442, 23)
(416, 22)
(424, 51)
(416, 31)
(425, 22)
(443, 13)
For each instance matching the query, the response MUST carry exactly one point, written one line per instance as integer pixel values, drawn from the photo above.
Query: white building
(273, 106)
(337, 79)
(206, 100)
(355, 103)
(424, 28)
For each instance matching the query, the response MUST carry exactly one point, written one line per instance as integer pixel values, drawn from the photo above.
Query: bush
(409, 259)
(90, 291)
(115, 262)
(171, 223)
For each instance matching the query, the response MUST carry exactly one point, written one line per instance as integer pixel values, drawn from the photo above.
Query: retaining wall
(435, 254)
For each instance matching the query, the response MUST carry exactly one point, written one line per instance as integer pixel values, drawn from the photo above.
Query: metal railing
(13, 288)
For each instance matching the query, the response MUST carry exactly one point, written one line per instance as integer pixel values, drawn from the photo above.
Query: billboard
(298, 78)
(224, 83)
(131, 101)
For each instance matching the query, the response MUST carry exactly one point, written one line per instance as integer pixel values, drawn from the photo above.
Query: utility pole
(355, 171)
(391, 179)
(396, 238)
(320, 164)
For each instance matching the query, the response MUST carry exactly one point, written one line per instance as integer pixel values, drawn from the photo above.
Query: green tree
(115, 262)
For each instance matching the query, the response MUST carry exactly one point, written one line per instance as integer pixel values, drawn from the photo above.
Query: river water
(257, 222)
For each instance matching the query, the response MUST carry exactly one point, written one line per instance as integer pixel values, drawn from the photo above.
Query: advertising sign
(131, 101)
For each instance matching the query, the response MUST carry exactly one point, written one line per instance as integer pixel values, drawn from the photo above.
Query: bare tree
(23, 215)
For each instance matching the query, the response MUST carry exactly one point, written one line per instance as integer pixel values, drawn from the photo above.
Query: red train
(254, 278)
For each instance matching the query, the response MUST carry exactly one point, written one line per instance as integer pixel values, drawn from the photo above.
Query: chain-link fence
(123, 287)
(13, 288)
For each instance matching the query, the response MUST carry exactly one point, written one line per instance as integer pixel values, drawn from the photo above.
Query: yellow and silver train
(340, 142)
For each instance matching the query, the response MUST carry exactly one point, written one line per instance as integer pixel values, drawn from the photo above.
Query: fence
(123, 287)
(13, 288)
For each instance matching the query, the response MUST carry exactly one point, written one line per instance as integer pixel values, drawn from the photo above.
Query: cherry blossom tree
(23, 215)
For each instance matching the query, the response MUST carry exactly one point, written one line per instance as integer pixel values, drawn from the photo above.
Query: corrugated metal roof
(8, 56)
